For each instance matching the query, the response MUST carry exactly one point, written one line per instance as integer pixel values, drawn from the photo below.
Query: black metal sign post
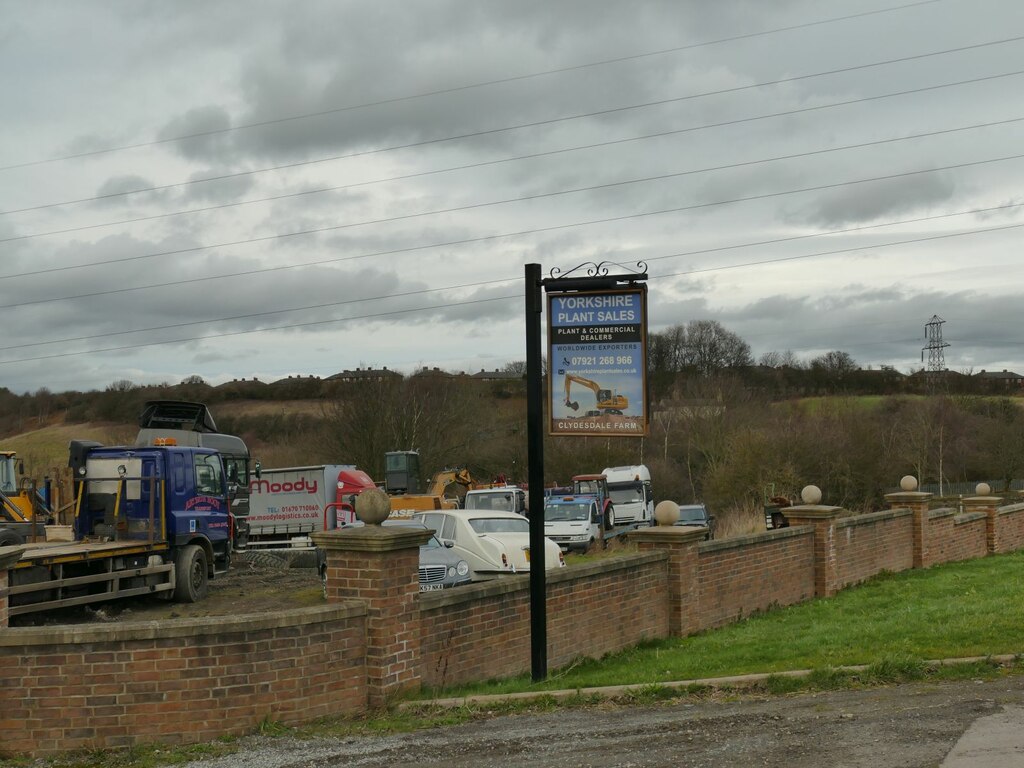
(535, 475)
(615, 326)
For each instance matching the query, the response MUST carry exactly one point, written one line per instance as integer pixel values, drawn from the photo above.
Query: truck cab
(164, 492)
(192, 424)
(630, 490)
(573, 522)
(507, 498)
(597, 487)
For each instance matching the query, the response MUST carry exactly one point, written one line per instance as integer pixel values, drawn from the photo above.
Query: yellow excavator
(22, 511)
(608, 401)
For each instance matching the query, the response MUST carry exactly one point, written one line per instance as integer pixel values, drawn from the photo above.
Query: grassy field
(45, 448)
(974, 608)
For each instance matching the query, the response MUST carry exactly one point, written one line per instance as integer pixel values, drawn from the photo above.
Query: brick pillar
(683, 582)
(380, 566)
(990, 506)
(918, 504)
(823, 519)
(8, 557)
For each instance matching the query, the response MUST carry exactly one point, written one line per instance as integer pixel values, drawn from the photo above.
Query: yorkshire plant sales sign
(597, 370)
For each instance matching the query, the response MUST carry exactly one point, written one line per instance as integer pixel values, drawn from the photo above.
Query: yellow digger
(608, 401)
(22, 511)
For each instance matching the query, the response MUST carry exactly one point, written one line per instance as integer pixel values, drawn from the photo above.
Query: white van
(630, 491)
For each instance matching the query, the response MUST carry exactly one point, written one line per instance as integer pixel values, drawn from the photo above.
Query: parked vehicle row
(440, 565)
(172, 509)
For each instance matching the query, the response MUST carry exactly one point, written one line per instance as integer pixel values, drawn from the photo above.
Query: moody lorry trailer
(630, 491)
(288, 504)
(150, 520)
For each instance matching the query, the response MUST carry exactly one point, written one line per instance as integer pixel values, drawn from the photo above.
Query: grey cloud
(118, 185)
(205, 126)
(890, 198)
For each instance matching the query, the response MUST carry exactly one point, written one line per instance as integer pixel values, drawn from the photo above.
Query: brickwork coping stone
(183, 629)
(380, 566)
(681, 542)
(968, 517)
(917, 502)
(8, 557)
(372, 538)
(823, 518)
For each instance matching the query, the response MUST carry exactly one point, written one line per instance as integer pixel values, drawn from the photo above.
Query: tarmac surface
(922, 725)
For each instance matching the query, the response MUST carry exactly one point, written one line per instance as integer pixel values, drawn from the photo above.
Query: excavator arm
(444, 478)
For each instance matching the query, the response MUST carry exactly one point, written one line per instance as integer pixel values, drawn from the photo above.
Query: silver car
(440, 568)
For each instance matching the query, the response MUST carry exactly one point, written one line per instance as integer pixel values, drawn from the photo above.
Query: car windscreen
(554, 513)
(431, 543)
(499, 500)
(629, 495)
(692, 514)
(500, 525)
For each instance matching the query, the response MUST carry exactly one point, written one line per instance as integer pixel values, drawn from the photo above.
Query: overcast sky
(814, 176)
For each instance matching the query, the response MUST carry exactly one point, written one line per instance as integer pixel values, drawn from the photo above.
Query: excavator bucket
(571, 404)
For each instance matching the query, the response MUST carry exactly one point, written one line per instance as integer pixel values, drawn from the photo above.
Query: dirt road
(909, 725)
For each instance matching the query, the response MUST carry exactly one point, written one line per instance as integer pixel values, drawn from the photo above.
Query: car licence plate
(430, 587)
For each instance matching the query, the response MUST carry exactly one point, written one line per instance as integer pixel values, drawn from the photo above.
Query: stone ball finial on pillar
(811, 494)
(908, 483)
(373, 506)
(983, 489)
(666, 513)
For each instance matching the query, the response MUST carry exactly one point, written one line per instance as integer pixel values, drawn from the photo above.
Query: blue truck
(148, 520)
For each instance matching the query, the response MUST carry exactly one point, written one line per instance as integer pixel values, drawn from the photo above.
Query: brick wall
(1008, 529)
(482, 631)
(63, 688)
(741, 575)
(866, 545)
(950, 537)
(182, 681)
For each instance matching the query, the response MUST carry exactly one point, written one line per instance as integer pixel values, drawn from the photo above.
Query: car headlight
(462, 568)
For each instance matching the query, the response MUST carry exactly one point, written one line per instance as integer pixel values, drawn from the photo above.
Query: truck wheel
(9, 538)
(190, 577)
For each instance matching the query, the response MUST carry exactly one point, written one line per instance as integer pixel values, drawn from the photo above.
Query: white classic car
(491, 541)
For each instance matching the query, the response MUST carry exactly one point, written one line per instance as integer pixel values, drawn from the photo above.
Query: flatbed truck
(149, 520)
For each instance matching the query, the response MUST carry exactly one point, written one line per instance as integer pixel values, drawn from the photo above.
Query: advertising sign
(597, 362)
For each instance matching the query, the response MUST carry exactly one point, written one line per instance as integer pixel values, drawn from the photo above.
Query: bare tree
(437, 416)
(835, 364)
(710, 348)
(775, 359)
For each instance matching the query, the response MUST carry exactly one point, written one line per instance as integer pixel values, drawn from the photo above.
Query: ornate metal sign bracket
(592, 275)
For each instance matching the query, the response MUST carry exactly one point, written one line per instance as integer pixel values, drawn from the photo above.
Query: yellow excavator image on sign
(608, 401)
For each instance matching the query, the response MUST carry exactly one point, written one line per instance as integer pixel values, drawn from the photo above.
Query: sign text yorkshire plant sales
(597, 383)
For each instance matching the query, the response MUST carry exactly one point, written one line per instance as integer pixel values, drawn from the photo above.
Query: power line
(456, 89)
(251, 315)
(695, 206)
(854, 249)
(260, 330)
(473, 301)
(469, 166)
(492, 131)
